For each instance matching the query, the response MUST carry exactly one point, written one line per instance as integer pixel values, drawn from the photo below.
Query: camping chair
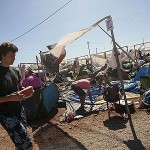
(145, 87)
(145, 83)
(111, 95)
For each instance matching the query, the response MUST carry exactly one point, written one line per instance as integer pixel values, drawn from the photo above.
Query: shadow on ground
(51, 137)
(115, 123)
(134, 143)
(39, 122)
(48, 136)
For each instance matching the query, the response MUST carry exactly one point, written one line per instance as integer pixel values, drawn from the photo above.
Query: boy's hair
(7, 47)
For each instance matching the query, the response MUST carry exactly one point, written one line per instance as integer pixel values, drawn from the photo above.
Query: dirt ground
(96, 131)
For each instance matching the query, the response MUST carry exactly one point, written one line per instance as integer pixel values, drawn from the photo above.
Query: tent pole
(119, 71)
(123, 50)
(119, 74)
(90, 55)
(118, 45)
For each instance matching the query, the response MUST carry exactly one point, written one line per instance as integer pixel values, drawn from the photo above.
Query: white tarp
(69, 38)
(98, 61)
(112, 61)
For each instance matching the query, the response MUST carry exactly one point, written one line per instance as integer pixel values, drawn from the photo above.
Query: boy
(12, 116)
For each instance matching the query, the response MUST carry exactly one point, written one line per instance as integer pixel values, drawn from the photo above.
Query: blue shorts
(15, 125)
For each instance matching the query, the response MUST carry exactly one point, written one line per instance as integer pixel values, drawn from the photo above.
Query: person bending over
(78, 87)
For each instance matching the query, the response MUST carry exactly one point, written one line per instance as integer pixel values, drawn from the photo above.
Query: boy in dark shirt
(12, 116)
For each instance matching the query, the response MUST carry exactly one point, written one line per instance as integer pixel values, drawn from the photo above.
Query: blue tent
(144, 71)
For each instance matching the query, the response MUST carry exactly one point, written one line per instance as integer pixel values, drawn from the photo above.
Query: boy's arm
(3, 99)
(12, 97)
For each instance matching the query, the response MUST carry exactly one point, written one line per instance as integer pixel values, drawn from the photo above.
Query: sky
(32, 25)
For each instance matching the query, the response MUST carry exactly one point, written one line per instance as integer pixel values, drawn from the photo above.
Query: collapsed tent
(144, 71)
(51, 58)
(98, 61)
(112, 61)
(132, 53)
(51, 62)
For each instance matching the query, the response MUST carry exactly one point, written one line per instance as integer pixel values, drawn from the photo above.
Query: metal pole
(118, 45)
(89, 48)
(90, 55)
(119, 71)
(42, 69)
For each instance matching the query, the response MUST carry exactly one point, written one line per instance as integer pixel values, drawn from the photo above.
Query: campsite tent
(144, 71)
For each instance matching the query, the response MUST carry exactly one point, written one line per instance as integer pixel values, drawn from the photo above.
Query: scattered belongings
(144, 71)
(114, 76)
(69, 80)
(85, 72)
(41, 102)
(133, 97)
(120, 107)
(65, 95)
(100, 104)
(145, 103)
(78, 117)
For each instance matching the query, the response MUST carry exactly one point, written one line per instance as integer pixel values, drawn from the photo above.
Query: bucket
(50, 96)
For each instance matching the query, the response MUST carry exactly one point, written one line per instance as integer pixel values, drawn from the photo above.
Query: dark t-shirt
(9, 80)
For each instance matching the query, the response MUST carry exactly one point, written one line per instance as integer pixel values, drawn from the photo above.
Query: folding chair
(145, 83)
(111, 95)
(145, 94)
